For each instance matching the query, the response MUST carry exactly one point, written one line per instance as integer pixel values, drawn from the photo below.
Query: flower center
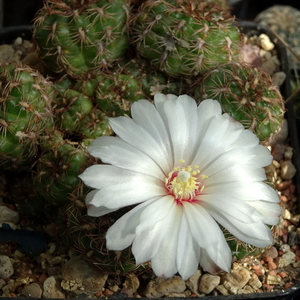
(184, 183)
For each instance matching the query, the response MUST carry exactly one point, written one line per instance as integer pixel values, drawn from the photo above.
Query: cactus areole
(80, 38)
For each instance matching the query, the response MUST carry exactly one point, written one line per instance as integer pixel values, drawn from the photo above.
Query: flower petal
(121, 195)
(188, 251)
(180, 116)
(122, 233)
(256, 234)
(200, 224)
(221, 135)
(146, 115)
(270, 211)
(139, 138)
(115, 151)
(101, 176)
(96, 211)
(231, 206)
(164, 261)
(244, 190)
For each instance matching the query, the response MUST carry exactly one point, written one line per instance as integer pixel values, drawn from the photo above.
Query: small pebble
(238, 277)
(193, 282)
(284, 185)
(32, 290)
(288, 170)
(208, 282)
(6, 267)
(8, 215)
(52, 288)
(258, 270)
(265, 42)
(272, 252)
(278, 78)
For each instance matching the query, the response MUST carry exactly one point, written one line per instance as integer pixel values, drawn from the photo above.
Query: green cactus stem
(81, 37)
(25, 112)
(247, 94)
(185, 37)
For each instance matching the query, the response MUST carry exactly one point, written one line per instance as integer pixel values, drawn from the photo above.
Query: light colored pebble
(286, 215)
(288, 153)
(288, 170)
(222, 290)
(278, 78)
(295, 219)
(8, 215)
(265, 42)
(131, 282)
(237, 278)
(273, 280)
(52, 288)
(193, 283)
(255, 283)
(6, 267)
(208, 282)
(159, 286)
(232, 289)
(32, 290)
(79, 277)
(286, 259)
(247, 289)
(272, 252)
(285, 248)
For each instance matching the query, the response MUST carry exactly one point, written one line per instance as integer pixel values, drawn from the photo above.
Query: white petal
(113, 150)
(121, 195)
(150, 231)
(208, 234)
(245, 173)
(122, 233)
(146, 115)
(270, 211)
(243, 156)
(188, 252)
(244, 190)
(231, 206)
(256, 234)
(138, 137)
(164, 262)
(101, 176)
(96, 211)
(220, 136)
(180, 118)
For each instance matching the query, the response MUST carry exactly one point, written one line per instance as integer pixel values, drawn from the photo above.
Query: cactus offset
(81, 37)
(247, 94)
(185, 37)
(25, 112)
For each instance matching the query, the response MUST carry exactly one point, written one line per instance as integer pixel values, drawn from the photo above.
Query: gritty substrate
(61, 273)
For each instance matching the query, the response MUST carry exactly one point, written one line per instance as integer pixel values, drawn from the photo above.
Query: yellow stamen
(185, 182)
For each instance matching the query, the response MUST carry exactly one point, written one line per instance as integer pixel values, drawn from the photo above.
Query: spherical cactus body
(185, 37)
(247, 94)
(81, 37)
(25, 112)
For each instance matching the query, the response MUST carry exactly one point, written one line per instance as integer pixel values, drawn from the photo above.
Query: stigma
(185, 183)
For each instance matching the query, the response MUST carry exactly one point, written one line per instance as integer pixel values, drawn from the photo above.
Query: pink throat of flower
(185, 183)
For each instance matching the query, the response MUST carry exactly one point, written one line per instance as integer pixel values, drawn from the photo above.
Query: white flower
(186, 168)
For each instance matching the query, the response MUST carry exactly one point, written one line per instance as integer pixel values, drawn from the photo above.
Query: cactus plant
(245, 93)
(86, 236)
(185, 37)
(81, 37)
(25, 112)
